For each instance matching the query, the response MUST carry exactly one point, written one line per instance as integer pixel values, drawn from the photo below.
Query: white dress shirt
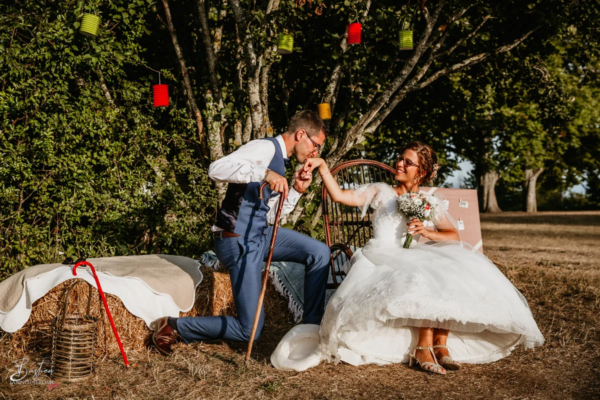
(248, 164)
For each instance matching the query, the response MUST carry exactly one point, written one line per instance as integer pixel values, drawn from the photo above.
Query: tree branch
(414, 86)
(219, 29)
(105, 88)
(466, 38)
(354, 135)
(240, 21)
(400, 95)
(208, 48)
(337, 70)
(273, 6)
(186, 79)
(474, 60)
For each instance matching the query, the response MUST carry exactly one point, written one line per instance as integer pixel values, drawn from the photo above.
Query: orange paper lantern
(324, 110)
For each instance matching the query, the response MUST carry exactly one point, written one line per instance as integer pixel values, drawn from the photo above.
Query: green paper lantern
(285, 45)
(89, 25)
(406, 40)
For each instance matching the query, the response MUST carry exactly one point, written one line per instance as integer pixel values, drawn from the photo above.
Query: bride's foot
(445, 360)
(425, 357)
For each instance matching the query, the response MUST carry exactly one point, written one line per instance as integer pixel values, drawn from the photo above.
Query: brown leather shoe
(164, 336)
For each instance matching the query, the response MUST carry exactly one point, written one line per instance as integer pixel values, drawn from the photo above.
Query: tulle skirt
(390, 292)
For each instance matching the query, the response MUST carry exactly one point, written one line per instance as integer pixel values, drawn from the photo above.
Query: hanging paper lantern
(285, 45)
(406, 40)
(160, 95)
(324, 111)
(89, 25)
(354, 31)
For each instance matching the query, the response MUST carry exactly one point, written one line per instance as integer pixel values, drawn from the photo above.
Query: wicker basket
(73, 340)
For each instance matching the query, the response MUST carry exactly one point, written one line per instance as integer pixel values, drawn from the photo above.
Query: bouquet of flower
(417, 205)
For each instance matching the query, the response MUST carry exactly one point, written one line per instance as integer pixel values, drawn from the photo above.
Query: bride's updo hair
(428, 162)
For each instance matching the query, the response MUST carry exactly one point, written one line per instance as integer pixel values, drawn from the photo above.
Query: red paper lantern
(160, 95)
(354, 30)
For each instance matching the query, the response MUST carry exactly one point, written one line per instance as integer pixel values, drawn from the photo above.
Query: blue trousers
(245, 263)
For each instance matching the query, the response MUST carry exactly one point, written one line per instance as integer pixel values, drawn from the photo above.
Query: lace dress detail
(389, 292)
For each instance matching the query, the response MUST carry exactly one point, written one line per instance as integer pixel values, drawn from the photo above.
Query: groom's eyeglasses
(407, 162)
(317, 146)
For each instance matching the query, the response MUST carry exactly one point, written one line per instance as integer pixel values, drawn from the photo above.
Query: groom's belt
(224, 234)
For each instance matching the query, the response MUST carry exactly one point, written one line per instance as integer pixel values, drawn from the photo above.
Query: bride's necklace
(401, 193)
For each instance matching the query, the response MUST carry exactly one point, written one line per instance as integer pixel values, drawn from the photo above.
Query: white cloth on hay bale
(149, 286)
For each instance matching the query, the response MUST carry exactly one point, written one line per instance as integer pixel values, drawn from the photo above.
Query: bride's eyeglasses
(407, 162)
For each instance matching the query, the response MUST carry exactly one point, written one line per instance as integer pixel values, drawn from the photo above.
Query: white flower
(418, 202)
(426, 213)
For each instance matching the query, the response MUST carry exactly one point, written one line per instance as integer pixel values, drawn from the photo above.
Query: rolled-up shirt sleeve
(288, 205)
(247, 164)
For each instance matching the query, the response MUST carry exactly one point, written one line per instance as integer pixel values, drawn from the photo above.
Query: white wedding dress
(389, 292)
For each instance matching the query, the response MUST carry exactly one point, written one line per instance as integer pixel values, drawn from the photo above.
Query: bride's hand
(416, 227)
(311, 164)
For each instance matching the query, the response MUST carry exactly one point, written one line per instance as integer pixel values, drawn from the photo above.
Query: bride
(436, 304)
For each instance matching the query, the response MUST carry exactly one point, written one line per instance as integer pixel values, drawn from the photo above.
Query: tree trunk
(208, 48)
(529, 188)
(237, 131)
(214, 123)
(266, 129)
(186, 78)
(253, 66)
(488, 186)
(247, 132)
(219, 29)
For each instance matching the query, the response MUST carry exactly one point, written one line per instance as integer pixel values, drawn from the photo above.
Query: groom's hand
(303, 180)
(277, 183)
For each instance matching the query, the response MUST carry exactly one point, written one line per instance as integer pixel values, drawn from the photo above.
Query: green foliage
(79, 174)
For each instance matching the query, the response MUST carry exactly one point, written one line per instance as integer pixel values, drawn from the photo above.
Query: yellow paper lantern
(89, 25)
(406, 40)
(285, 45)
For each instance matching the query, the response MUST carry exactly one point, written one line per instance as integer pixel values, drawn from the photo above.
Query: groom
(242, 234)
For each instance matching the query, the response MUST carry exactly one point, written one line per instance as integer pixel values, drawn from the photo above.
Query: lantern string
(413, 18)
(403, 19)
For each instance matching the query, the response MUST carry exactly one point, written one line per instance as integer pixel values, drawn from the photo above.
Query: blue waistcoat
(241, 211)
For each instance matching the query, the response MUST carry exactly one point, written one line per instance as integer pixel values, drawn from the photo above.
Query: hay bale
(213, 298)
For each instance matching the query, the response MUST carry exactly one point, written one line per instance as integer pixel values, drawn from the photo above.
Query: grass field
(552, 258)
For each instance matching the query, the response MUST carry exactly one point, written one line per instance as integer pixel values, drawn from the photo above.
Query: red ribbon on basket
(112, 323)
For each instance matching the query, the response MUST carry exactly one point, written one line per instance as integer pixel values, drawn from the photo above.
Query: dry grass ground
(553, 258)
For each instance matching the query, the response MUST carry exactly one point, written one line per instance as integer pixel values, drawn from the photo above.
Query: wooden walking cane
(264, 283)
(112, 323)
